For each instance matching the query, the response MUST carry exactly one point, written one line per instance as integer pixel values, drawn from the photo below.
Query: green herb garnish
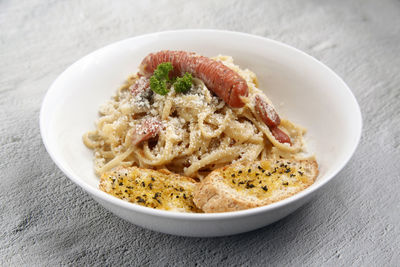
(158, 82)
(160, 79)
(183, 84)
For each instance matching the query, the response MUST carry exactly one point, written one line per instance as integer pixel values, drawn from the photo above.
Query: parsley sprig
(160, 79)
(183, 84)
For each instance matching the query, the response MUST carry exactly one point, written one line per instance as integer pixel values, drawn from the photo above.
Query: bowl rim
(95, 192)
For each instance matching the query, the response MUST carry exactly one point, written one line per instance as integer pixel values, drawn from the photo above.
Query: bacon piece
(223, 81)
(141, 85)
(148, 128)
(279, 135)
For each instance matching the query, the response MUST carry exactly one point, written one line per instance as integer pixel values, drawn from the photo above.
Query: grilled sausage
(279, 135)
(271, 118)
(223, 81)
(266, 112)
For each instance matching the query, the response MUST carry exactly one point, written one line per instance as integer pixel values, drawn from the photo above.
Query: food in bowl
(185, 116)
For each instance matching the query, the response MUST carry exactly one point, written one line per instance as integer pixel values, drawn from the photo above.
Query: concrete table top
(46, 220)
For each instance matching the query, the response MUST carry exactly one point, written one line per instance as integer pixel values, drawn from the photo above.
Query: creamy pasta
(199, 131)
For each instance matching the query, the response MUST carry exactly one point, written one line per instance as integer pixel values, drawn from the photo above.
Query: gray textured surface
(46, 220)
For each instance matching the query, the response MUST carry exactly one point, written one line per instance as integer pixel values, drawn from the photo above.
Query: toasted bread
(253, 184)
(155, 189)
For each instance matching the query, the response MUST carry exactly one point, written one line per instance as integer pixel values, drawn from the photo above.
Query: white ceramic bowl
(311, 94)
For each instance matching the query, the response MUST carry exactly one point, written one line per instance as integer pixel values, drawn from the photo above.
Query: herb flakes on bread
(245, 185)
(154, 189)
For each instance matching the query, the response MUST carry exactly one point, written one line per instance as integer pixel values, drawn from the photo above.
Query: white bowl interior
(303, 90)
